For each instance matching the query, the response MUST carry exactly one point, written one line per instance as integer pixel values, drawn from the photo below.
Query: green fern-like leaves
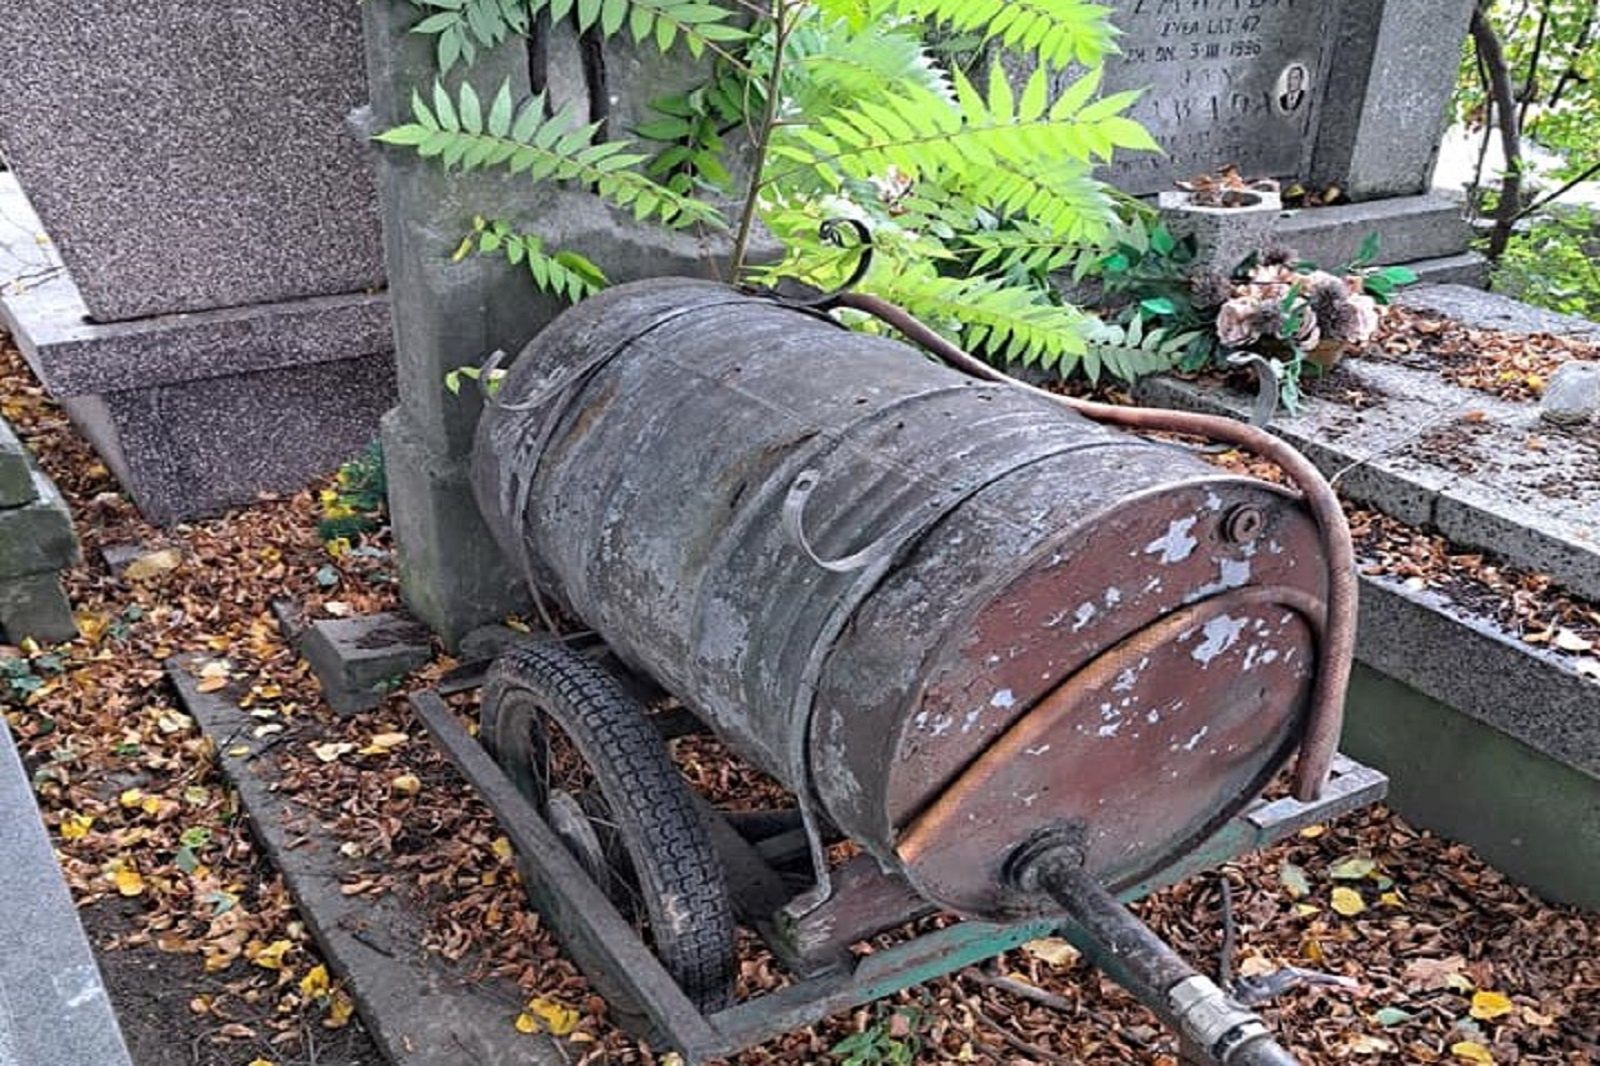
(565, 273)
(1131, 352)
(1060, 32)
(524, 140)
(1004, 323)
(462, 27)
(918, 134)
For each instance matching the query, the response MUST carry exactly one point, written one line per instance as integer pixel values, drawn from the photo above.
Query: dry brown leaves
(1512, 366)
(123, 776)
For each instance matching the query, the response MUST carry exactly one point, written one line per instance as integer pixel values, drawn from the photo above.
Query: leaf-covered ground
(1454, 962)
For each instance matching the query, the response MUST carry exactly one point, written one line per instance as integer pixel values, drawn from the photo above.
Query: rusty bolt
(1243, 524)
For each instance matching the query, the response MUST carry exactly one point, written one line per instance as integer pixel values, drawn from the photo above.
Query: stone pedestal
(449, 314)
(36, 544)
(1224, 236)
(219, 328)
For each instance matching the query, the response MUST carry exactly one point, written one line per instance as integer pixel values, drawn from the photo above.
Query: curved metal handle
(794, 526)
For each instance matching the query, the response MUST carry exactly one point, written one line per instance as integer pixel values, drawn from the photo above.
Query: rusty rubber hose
(1321, 740)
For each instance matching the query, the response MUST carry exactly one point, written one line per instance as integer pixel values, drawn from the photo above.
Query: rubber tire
(657, 821)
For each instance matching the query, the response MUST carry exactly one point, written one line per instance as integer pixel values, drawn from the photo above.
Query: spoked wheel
(587, 757)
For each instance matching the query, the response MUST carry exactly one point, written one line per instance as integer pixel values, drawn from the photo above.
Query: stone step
(1486, 739)
(1469, 270)
(54, 1010)
(1412, 228)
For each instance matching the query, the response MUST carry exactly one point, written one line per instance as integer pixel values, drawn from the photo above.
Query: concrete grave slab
(16, 479)
(1434, 454)
(419, 1009)
(54, 1010)
(1491, 310)
(37, 536)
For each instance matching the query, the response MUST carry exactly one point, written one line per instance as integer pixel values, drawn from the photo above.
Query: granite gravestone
(1225, 81)
(219, 330)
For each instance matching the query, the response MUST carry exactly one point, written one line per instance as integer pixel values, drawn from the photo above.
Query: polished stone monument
(219, 328)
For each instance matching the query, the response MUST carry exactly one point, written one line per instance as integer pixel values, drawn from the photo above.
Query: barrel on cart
(1008, 663)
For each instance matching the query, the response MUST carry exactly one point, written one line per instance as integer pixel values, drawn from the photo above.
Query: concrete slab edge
(1449, 505)
(419, 1010)
(53, 1004)
(1536, 696)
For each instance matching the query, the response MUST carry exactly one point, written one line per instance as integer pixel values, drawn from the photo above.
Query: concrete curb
(419, 1009)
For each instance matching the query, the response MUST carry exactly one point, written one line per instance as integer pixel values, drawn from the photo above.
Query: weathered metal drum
(945, 612)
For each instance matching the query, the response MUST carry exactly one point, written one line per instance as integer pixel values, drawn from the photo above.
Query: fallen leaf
(128, 881)
(1052, 950)
(339, 1011)
(1567, 640)
(383, 743)
(1423, 975)
(315, 983)
(1348, 902)
(1487, 1006)
(271, 956)
(1294, 880)
(153, 564)
(1472, 1051)
(553, 1017)
(331, 750)
(1370, 1045)
(1353, 868)
(406, 784)
(1392, 1016)
(76, 826)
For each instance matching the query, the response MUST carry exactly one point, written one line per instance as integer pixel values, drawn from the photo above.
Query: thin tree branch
(1487, 42)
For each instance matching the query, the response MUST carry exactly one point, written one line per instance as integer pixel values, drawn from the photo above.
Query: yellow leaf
(153, 564)
(383, 742)
(314, 984)
(91, 625)
(1052, 950)
(271, 956)
(238, 750)
(1312, 832)
(330, 751)
(131, 798)
(76, 826)
(526, 1023)
(501, 847)
(406, 784)
(1392, 899)
(128, 881)
(1472, 1051)
(339, 1011)
(1348, 902)
(1487, 1006)
(556, 1018)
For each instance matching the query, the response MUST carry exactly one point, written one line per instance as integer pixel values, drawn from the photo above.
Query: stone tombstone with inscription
(1226, 82)
(1346, 94)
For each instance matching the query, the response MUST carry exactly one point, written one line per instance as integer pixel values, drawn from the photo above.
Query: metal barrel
(945, 612)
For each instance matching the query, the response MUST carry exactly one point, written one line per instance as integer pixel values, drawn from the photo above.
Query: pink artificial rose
(1366, 319)
(1236, 322)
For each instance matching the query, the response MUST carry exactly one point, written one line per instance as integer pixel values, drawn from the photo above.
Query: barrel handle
(794, 525)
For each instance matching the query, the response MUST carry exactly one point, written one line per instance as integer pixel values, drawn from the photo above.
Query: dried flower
(1210, 289)
(1236, 322)
(1276, 254)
